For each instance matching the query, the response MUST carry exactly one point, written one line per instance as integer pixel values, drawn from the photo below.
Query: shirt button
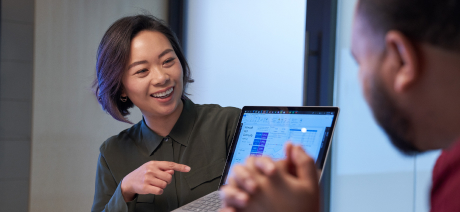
(166, 139)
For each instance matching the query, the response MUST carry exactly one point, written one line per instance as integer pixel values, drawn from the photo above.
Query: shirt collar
(150, 139)
(180, 132)
(183, 128)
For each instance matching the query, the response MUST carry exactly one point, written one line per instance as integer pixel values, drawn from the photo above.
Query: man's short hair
(436, 22)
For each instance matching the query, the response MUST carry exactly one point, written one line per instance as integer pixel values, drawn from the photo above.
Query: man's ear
(403, 50)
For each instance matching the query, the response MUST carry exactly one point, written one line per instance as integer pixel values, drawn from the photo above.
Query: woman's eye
(168, 61)
(141, 71)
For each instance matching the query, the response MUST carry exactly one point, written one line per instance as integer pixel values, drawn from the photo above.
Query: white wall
(68, 124)
(246, 52)
(368, 173)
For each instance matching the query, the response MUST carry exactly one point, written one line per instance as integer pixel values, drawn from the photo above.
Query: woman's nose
(159, 77)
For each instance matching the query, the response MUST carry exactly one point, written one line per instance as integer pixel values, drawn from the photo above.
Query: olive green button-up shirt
(201, 139)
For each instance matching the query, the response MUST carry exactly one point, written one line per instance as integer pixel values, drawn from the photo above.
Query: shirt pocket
(205, 174)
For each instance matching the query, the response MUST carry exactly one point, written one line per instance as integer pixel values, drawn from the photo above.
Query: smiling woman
(153, 80)
(176, 154)
(113, 57)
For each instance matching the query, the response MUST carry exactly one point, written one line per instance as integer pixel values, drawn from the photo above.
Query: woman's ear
(123, 93)
(403, 51)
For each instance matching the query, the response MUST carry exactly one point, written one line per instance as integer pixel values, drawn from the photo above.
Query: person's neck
(162, 125)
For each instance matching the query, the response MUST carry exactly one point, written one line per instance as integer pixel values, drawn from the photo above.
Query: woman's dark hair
(112, 57)
(436, 22)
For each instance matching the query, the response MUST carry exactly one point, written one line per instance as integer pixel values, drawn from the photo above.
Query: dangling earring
(123, 98)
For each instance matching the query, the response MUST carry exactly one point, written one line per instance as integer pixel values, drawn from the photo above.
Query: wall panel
(68, 123)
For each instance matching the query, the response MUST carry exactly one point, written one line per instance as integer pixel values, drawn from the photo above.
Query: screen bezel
(319, 162)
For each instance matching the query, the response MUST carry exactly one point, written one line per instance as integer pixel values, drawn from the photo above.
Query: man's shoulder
(448, 160)
(446, 181)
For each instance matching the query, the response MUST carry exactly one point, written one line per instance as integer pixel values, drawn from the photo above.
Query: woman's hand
(150, 178)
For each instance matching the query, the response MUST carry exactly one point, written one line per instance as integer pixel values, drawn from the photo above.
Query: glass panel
(246, 52)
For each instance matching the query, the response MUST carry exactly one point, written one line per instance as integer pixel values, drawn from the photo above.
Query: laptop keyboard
(209, 202)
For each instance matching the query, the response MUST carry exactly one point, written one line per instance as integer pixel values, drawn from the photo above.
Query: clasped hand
(265, 185)
(150, 178)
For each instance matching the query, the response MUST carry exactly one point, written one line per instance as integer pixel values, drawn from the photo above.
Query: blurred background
(257, 52)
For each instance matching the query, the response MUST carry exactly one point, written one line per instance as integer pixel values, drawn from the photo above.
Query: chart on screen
(267, 134)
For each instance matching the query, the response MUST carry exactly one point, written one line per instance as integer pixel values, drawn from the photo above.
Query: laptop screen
(266, 131)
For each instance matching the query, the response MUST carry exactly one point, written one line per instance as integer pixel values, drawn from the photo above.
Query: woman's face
(153, 77)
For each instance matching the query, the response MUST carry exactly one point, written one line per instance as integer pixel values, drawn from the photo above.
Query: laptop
(265, 131)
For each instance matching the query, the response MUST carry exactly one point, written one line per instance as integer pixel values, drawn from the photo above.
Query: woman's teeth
(163, 94)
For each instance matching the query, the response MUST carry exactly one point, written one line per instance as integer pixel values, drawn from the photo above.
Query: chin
(169, 109)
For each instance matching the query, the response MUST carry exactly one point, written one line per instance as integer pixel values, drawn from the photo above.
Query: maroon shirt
(445, 193)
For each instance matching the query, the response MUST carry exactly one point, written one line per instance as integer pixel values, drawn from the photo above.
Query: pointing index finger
(167, 165)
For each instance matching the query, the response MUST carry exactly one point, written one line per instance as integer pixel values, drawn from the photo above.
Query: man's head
(409, 52)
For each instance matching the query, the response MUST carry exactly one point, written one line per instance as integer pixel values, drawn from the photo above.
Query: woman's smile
(163, 93)
(164, 96)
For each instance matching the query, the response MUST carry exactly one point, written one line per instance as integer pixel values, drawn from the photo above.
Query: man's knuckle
(309, 160)
(263, 180)
(237, 168)
(306, 160)
(265, 158)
